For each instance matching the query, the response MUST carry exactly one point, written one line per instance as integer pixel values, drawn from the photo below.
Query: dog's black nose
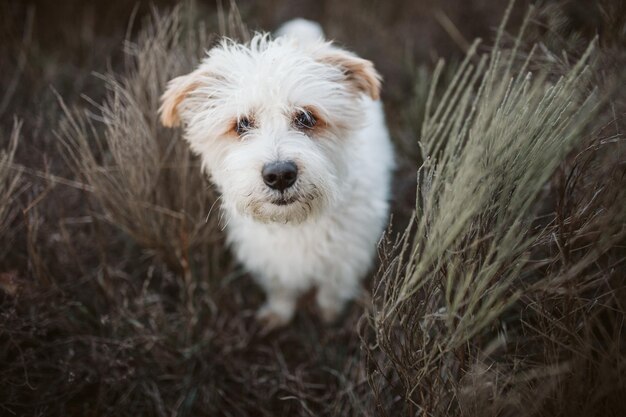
(280, 175)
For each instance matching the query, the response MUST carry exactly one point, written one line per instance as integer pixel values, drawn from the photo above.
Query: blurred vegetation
(501, 285)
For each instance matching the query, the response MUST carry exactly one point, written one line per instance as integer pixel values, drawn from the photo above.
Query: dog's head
(271, 120)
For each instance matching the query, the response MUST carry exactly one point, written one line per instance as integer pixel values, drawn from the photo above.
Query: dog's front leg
(332, 297)
(278, 309)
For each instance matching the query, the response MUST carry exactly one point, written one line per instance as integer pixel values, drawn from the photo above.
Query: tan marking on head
(231, 127)
(177, 90)
(321, 124)
(360, 73)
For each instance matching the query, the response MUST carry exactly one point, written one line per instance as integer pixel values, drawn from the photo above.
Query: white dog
(292, 133)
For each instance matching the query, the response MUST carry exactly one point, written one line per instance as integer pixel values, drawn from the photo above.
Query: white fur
(302, 29)
(327, 237)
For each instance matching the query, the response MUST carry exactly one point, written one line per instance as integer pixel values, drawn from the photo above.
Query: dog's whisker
(206, 220)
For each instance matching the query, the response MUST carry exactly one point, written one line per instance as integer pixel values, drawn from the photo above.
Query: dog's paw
(330, 305)
(330, 314)
(271, 319)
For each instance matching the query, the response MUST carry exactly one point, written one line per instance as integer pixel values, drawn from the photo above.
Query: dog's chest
(302, 252)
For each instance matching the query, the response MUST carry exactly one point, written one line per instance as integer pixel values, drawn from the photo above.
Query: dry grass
(141, 174)
(10, 184)
(502, 295)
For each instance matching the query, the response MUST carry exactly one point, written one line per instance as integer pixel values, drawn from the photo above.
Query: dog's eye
(243, 125)
(304, 120)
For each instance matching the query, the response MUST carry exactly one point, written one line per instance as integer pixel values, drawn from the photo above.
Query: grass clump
(467, 296)
(142, 175)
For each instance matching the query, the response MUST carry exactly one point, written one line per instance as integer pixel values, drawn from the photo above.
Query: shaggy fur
(322, 231)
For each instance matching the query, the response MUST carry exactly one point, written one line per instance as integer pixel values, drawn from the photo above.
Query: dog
(291, 130)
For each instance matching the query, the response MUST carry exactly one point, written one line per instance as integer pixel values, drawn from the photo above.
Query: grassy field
(501, 283)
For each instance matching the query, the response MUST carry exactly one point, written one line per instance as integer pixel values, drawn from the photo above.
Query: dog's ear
(177, 90)
(360, 73)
